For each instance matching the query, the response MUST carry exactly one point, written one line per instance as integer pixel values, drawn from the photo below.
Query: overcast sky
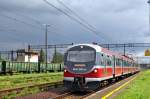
(115, 21)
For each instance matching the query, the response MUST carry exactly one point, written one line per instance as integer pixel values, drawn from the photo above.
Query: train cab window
(81, 56)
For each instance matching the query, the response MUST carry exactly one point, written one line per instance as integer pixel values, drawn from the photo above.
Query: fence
(28, 67)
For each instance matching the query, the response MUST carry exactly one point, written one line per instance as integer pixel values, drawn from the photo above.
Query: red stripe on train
(101, 72)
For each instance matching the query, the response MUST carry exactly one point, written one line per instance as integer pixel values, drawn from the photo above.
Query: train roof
(98, 48)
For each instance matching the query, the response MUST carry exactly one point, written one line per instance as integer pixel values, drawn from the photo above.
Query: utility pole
(124, 49)
(149, 14)
(55, 55)
(0, 56)
(12, 55)
(46, 47)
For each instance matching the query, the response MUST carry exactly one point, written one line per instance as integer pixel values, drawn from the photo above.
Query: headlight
(65, 70)
(95, 70)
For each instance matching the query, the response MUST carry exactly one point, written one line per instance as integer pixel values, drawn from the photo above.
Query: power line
(14, 38)
(36, 21)
(50, 46)
(17, 20)
(21, 21)
(25, 16)
(18, 36)
(28, 24)
(71, 17)
(79, 22)
(126, 45)
(73, 12)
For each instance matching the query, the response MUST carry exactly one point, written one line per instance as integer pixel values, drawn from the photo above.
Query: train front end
(80, 72)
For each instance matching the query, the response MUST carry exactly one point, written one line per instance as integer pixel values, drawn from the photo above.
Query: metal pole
(8, 56)
(0, 56)
(124, 46)
(12, 55)
(28, 53)
(108, 46)
(46, 45)
(149, 14)
(55, 55)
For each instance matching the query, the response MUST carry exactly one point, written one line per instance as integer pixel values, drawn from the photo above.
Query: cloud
(115, 20)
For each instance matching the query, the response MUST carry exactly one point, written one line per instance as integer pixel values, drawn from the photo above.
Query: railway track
(43, 86)
(74, 95)
(63, 93)
(82, 95)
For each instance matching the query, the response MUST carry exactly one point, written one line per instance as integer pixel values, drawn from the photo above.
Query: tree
(1, 58)
(57, 57)
(42, 56)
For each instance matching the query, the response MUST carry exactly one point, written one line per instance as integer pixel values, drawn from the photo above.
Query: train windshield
(81, 56)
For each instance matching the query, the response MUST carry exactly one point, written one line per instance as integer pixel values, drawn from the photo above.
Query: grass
(29, 79)
(138, 89)
(25, 80)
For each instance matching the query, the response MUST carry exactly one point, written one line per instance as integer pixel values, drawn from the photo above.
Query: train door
(114, 65)
(105, 66)
(122, 65)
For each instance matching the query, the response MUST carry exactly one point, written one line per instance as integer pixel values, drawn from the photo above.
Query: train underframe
(80, 84)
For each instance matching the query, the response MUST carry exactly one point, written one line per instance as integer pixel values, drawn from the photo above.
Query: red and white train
(87, 65)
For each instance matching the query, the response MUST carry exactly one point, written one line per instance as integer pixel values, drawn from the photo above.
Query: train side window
(109, 61)
(127, 63)
(110, 58)
(130, 64)
(117, 62)
(104, 60)
(120, 62)
(124, 63)
(100, 59)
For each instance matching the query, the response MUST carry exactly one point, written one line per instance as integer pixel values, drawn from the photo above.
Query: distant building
(25, 56)
(147, 52)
